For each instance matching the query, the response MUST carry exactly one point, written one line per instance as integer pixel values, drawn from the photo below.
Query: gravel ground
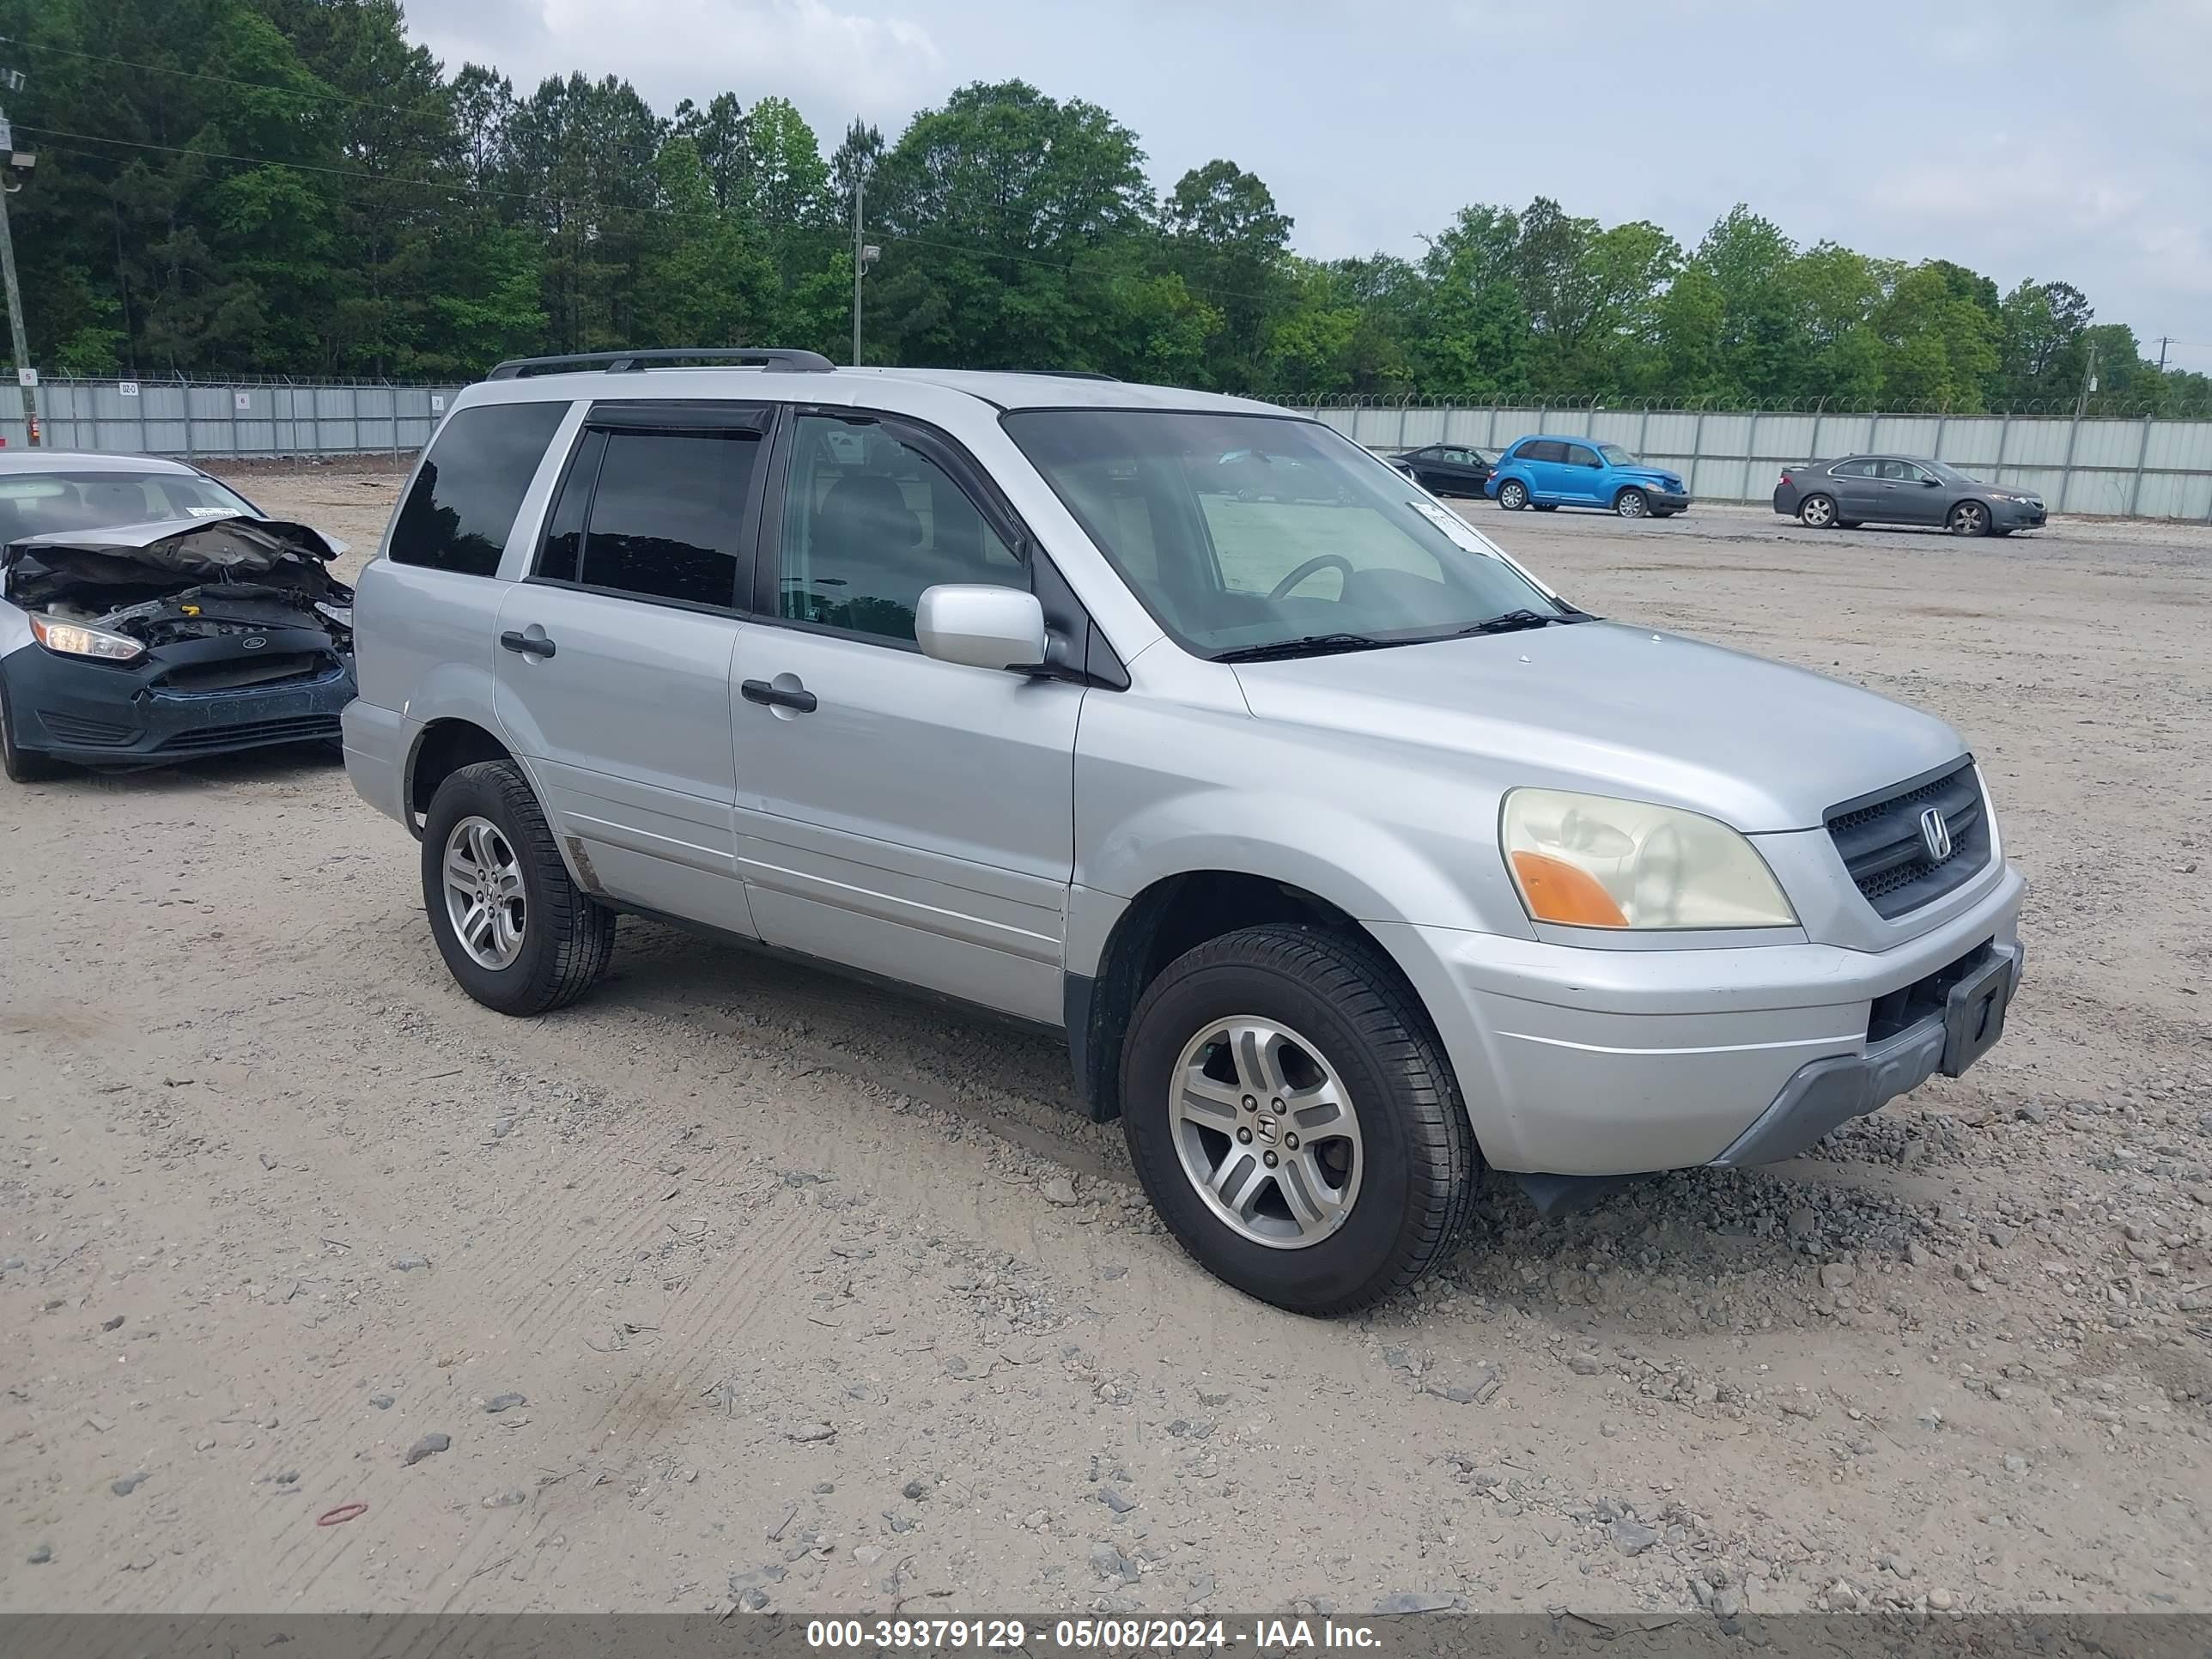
(738, 1285)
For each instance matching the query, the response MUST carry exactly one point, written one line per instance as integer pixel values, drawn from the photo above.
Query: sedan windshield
(1616, 456)
(1243, 531)
(35, 503)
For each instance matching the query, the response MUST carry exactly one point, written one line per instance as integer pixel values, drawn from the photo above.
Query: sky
(2053, 139)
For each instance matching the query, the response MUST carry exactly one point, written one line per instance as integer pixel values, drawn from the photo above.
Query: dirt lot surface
(737, 1284)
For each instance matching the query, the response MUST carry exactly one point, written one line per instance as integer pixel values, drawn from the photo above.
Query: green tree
(1229, 243)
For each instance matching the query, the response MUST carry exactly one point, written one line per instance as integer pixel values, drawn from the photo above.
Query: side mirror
(980, 627)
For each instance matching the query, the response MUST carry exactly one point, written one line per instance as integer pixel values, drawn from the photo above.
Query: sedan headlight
(1592, 862)
(75, 639)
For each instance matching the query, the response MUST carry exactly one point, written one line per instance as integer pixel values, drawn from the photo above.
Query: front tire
(1632, 503)
(1303, 1047)
(21, 765)
(1513, 494)
(1817, 513)
(1969, 519)
(517, 933)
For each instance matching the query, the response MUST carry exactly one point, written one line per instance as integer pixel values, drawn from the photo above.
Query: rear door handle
(776, 696)
(539, 647)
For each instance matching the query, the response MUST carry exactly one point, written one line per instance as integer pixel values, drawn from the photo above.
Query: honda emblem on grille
(1935, 835)
(255, 642)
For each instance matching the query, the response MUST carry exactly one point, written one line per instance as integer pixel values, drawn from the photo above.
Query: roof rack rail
(1064, 373)
(783, 359)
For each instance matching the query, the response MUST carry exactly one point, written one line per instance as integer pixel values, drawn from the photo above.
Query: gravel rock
(1059, 1190)
(1585, 1364)
(41, 1554)
(1415, 1602)
(428, 1446)
(1108, 1562)
(1116, 1501)
(128, 1484)
(916, 1490)
(745, 1584)
(503, 1403)
(514, 1498)
(408, 1264)
(868, 1554)
(381, 1401)
(1837, 1276)
(114, 1324)
(809, 1433)
(1632, 1537)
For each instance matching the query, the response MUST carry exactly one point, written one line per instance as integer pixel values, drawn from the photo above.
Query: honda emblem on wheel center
(1935, 835)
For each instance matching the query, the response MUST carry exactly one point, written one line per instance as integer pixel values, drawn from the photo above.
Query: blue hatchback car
(1547, 473)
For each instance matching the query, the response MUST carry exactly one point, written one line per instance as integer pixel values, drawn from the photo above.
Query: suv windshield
(1242, 530)
(36, 503)
(1616, 456)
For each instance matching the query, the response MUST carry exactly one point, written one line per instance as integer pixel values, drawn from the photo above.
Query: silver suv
(1349, 856)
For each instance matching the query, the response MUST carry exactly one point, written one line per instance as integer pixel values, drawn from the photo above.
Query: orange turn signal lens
(1554, 890)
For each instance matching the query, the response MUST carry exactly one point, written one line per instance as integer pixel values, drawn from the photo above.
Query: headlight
(75, 639)
(1592, 862)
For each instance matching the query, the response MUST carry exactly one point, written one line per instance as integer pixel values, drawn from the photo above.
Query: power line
(327, 93)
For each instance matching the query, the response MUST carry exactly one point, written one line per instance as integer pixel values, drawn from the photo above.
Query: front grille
(1880, 843)
(91, 734)
(231, 673)
(298, 728)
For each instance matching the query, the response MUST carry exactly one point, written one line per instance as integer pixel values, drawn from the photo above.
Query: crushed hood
(202, 549)
(1621, 711)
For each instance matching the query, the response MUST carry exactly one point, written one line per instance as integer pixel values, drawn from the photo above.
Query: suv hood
(1621, 711)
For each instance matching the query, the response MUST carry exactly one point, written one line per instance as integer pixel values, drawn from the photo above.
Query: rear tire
(1334, 1020)
(21, 765)
(1513, 494)
(1817, 513)
(555, 939)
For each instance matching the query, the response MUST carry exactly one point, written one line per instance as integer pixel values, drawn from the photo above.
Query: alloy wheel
(1265, 1132)
(484, 898)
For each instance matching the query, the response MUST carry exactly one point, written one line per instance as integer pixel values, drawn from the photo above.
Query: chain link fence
(2111, 460)
(2114, 463)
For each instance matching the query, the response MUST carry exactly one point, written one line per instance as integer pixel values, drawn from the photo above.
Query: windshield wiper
(1512, 622)
(1306, 645)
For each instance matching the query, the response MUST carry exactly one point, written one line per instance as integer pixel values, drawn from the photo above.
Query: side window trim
(759, 418)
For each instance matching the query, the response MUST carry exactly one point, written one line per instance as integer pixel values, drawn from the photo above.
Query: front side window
(1578, 456)
(462, 505)
(869, 522)
(1245, 531)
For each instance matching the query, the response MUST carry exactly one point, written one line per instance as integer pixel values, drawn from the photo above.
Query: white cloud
(833, 63)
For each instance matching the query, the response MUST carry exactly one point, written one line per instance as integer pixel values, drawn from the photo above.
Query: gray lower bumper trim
(1827, 1092)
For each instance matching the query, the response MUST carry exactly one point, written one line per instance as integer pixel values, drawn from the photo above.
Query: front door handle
(528, 645)
(776, 696)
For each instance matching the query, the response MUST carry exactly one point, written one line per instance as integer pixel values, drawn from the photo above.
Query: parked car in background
(149, 613)
(1902, 489)
(1552, 472)
(1447, 469)
(1350, 857)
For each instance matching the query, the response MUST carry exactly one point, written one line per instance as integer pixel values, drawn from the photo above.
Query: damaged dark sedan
(149, 614)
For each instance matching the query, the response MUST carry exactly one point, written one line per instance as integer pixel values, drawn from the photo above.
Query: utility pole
(864, 255)
(13, 80)
(2164, 341)
(2088, 383)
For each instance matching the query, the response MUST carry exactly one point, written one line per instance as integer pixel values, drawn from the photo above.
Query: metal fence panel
(2153, 468)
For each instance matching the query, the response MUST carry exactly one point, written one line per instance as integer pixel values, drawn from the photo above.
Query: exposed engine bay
(161, 584)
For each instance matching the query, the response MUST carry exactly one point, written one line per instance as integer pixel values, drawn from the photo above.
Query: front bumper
(1667, 500)
(2018, 515)
(1583, 1062)
(104, 714)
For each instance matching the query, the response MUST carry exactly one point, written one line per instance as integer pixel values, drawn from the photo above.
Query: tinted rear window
(668, 516)
(458, 515)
